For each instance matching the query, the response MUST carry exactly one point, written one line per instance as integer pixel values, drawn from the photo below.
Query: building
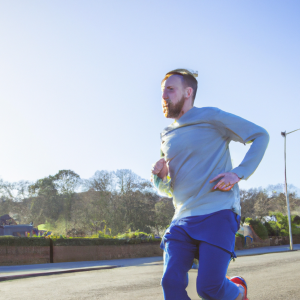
(8, 226)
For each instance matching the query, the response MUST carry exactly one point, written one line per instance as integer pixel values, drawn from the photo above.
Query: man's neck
(184, 110)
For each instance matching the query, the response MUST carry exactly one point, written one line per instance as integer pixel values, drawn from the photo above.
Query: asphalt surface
(269, 276)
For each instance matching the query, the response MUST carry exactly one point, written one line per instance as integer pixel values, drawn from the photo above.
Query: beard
(174, 110)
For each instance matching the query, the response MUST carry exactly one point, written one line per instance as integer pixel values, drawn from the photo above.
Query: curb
(12, 277)
(255, 254)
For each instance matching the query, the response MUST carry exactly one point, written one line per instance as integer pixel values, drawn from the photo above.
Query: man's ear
(188, 92)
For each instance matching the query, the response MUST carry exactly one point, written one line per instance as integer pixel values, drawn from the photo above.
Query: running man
(196, 170)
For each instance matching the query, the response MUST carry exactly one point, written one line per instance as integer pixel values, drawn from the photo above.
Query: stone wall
(283, 240)
(256, 243)
(271, 241)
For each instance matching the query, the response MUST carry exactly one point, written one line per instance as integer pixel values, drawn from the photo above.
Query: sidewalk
(265, 250)
(23, 271)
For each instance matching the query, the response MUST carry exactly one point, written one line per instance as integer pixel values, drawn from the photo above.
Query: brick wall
(105, 252)
(24, 255)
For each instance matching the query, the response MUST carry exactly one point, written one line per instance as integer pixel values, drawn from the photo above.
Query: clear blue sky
(80, 80)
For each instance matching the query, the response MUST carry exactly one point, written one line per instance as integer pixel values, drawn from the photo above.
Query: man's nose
(164, 95)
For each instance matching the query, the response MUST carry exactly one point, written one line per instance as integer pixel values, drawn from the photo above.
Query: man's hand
(160, 168)
(227, 182)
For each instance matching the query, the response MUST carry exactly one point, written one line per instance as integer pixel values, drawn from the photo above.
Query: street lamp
(284, 134)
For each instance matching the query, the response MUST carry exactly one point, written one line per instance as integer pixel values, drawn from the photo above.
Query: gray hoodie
(196, 147)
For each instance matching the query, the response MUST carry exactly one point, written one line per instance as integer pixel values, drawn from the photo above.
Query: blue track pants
(212, 284)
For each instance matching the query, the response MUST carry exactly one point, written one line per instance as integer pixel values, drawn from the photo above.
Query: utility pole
(284, 134)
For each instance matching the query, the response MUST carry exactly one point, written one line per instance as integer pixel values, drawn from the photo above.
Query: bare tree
(101, 181)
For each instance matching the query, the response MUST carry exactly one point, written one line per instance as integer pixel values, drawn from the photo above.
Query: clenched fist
(160, 168)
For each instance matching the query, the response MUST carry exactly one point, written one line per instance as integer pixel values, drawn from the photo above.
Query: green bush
(259, 229)
(296, 220)
(130, 237)
(248, 220)
(239, 235)
(272, 228)
(96, 242)
(296, 230)
(282, 224)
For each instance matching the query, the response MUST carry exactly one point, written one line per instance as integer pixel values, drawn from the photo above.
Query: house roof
(5, 217)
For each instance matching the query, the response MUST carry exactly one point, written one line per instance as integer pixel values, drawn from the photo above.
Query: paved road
(270, 277)
(9, 272)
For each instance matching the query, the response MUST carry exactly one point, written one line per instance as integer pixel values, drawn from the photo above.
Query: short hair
(187, 77)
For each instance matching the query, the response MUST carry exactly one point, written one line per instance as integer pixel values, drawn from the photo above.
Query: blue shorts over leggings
(179, 252)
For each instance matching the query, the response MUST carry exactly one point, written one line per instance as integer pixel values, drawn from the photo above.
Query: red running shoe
(238, 280)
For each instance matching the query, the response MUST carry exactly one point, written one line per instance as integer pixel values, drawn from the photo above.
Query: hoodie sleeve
(163, 186)
(237, 129)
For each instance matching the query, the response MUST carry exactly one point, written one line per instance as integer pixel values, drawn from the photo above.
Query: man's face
(172, 96)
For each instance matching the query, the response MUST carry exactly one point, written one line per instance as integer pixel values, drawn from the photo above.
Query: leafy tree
(164, 211)
(45, 204)
(257, 203)
(133, 202)
(6, 197)
(124, 200)
(66, 182)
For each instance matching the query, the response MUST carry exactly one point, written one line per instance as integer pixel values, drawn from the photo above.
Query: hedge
(23, 241)
(96, 242)
(37, 241)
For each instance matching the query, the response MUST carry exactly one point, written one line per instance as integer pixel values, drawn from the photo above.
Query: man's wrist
(236, 175)
(239, 172)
